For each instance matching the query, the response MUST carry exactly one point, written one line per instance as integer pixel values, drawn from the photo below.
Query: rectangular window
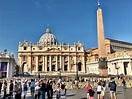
(53, 68)
(52, 57)
(40, 58)
(65, 57)
(47, 58)
(25, 48)
(24, 58)
(65, 67)
(58, 58)
(40, 68)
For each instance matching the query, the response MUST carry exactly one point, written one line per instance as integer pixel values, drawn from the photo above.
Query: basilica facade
(48, 56)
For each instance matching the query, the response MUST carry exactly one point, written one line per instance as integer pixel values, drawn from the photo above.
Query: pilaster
(56, 65)
(60, 62)
(36, 63)
(43, 67)
(50, 63)
(68, 63)
(8, 72)
(45, 63)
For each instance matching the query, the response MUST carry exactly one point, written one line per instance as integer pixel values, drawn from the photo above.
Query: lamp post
(117, 68)
(59, 72)
(77, 71)
(77, 65)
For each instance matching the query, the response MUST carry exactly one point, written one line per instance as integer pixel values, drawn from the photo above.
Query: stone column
(50, 63)
(75, 62)
(60, 61)
(129, 68)
(83, 64)
(121, 69)
(56, 65)
(45, 63)
(20, 64)
(68, 63)
(8, 70)
(29, 63)
(36, 63)
(11, 68)
(43, 67)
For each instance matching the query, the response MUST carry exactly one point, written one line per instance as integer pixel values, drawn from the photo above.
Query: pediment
(53, 50)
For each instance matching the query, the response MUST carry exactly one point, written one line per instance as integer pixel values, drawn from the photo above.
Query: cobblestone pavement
(81, 94)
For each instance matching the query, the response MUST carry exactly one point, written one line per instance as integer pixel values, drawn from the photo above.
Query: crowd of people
(101, 88)
(38, 88)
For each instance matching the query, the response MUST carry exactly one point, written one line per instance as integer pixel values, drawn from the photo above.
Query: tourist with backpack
(124, 83)
(112, 85)
(32, 88)
(63, 92)
(25, 89)
(16, 90)
(43, 89)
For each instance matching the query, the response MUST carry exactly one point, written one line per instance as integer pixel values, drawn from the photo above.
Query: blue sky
(70, 21)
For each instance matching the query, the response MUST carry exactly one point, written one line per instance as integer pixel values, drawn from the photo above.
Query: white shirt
(99, 88)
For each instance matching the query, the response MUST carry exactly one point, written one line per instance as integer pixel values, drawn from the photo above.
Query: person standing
(0, 87)
(63, 92)
(38, 76)
(91, 93)
(32, 88)
(124, 83)
(20, 90)
(57, 91)
(11, 88)
(87, 89)
(5, 89)
(43, 89)
(99, 90)
(112, 85)
(25, 89)
(37, 90)
(50, 90)
(16, 90)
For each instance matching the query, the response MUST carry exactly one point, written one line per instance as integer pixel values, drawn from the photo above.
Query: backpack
(113, 86)
(25, 87)
(16, 89)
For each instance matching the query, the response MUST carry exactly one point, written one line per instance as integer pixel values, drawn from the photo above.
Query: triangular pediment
(53, 50)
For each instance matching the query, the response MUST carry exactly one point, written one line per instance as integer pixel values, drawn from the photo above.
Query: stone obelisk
(101, 43)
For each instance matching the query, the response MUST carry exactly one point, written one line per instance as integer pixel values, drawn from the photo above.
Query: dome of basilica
(48, 37)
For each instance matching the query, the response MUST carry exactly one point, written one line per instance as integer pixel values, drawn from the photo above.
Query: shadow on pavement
(71, 95)
(83, 98)
(118, 92)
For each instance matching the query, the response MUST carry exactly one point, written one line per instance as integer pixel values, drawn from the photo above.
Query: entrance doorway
(24, 67)
(125, 67)
(65, 67)
(53, 68)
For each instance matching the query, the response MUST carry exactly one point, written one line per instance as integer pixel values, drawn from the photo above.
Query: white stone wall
(92, 68)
